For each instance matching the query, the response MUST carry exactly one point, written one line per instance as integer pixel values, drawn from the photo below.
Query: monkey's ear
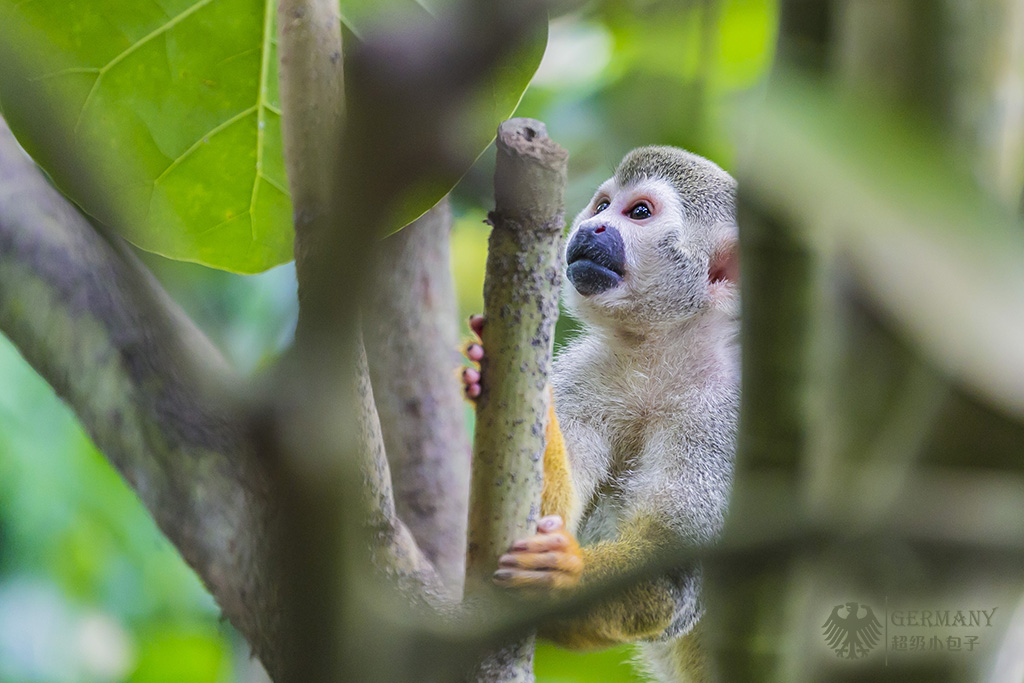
(725, 262)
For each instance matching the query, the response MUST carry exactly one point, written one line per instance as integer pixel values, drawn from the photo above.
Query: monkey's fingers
(552, 570)
(471, 382)
(546, 560)
(471, 376)
(542, 543)
(558, 561)
(521, 579)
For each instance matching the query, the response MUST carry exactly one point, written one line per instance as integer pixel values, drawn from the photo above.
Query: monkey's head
(656, 246)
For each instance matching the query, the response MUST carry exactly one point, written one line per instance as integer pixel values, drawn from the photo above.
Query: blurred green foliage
(77, 546)
(79, 550)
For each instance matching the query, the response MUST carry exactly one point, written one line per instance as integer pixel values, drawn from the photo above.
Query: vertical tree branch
(411, 343)
(339, 508)
(779, 267)
(778, 297)
(313, 99)
(312, 430)
(521, 305)
(394, 549)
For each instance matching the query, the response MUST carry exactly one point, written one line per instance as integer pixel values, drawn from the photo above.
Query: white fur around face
(668, 257)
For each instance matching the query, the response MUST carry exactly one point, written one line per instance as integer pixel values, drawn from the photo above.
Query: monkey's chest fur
(647, 432)
(632, 470)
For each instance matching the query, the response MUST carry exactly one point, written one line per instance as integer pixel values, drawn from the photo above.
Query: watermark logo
(852, 630)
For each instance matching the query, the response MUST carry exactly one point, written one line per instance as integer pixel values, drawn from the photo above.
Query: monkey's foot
(551, 559)
(475, 353)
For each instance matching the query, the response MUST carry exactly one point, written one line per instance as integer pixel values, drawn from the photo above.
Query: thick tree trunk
(148, 387)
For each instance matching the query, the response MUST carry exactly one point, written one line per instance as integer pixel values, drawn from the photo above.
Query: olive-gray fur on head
(708, 193)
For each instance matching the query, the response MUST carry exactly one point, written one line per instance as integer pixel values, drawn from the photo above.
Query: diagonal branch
(152, 392)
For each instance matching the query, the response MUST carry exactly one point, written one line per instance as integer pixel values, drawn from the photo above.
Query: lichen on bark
(521, 306)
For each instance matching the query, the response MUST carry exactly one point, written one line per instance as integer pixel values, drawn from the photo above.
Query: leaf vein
(206, 231)
(160, 30)
(203, 138)
(261, 101)
(273, 183)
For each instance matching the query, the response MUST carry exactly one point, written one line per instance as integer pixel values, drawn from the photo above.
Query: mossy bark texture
(521, 306)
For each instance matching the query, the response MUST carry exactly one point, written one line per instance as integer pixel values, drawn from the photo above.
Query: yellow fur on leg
(557, 496)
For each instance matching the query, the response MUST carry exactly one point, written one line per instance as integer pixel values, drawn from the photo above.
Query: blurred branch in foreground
(908, 295)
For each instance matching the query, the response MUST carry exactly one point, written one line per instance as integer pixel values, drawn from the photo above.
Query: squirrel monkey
(641, 439)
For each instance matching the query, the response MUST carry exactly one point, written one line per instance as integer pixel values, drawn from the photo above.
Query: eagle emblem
(851, 635)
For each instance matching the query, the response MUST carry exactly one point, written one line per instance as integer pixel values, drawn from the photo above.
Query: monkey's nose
(595, 259)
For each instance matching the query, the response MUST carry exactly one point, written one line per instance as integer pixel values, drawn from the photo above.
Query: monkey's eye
(601, 206)
(640, 211)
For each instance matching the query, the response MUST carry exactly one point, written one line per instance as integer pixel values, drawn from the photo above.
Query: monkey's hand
(475, 353)
(551, 559)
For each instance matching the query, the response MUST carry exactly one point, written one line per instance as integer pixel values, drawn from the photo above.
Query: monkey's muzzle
(595, 259)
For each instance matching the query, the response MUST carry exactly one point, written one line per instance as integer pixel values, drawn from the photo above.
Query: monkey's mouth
(595, 261)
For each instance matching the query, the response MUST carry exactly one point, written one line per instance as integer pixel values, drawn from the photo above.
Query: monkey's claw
(551, 559)
(476, 323)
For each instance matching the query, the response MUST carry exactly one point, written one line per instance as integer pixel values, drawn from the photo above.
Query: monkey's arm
(648, 610)
(553, 559)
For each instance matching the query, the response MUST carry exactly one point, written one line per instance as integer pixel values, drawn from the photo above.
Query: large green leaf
(175, 103)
